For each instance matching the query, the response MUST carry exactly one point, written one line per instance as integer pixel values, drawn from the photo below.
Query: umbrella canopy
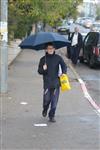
(39, 41)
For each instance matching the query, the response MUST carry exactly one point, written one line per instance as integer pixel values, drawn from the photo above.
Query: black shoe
(44, 113)
(52, 119)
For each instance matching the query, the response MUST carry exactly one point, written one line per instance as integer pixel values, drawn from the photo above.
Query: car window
(99, 40)
(85, 42)
(92, 38)
(86, 39)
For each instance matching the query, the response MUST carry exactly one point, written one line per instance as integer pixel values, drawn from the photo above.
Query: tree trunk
(44, 26)
(36, 27)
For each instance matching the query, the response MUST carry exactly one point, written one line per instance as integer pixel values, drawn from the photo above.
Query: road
(90, 76)
(92, 79)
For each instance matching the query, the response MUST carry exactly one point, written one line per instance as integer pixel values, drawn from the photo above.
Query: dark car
(91, 49)
(64, 28)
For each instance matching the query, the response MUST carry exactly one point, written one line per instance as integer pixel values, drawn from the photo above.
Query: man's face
(50, 49)
(76, 30)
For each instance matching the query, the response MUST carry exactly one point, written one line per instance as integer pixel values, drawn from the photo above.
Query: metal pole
(3, 45)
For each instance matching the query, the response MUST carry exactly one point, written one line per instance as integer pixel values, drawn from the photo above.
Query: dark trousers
(75, 50)
(50, 97)
(69, 51)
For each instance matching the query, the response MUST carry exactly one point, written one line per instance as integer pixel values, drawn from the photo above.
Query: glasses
(50, 48)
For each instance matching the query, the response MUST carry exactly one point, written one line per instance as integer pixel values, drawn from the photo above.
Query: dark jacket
(50, 76)
(80, 40)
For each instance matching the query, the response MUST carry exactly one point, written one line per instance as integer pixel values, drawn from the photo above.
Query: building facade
(90, 7)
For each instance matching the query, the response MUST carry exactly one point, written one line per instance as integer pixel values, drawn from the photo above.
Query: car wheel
(91, 62)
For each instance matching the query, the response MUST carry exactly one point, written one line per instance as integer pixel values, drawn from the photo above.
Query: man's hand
(45, 66)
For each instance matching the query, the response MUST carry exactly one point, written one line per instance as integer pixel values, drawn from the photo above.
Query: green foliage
(98, 12)
(23, 13)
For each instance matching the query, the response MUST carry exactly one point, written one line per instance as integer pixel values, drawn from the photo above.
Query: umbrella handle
(45, 57)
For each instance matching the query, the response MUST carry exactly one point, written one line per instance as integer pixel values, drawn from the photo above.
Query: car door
(85, 46)
(89, 42)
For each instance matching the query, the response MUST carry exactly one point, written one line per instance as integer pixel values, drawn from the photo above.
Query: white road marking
(40, 125)
(80, 80)
(85, 91)
(23, 103)
(97, 113)
(87, 96)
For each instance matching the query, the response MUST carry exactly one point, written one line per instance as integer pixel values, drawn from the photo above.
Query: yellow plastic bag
(64, 81)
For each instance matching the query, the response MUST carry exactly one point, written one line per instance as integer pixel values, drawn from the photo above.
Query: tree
(23, 13)
(21, 16)
(98, 12)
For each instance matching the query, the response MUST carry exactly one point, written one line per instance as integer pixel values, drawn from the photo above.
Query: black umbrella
(39, 41)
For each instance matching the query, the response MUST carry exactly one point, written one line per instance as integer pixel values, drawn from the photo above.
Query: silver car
(96, 25)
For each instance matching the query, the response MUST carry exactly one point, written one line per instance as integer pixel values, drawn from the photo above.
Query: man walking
(76, 45)
(49, 68)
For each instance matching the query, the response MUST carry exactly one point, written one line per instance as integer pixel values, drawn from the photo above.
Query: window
(92, 38)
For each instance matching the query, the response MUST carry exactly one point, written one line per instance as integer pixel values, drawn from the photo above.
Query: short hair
(76, 27)
(49, 44)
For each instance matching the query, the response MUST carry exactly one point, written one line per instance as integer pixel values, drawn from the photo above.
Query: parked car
(83, 34)
(96, 25)
(91, 49)
(82, 21)
(78, 20)
(70, 21)
(63, 29)
(88, 23)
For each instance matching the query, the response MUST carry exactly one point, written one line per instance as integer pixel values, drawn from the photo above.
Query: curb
(84, 89)
(13, 51)
(10, 63)
(87, 95)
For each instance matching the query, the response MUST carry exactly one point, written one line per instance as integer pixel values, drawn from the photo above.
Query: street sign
(3, 31)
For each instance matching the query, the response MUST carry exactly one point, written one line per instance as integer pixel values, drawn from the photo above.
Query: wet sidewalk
(77, 126)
